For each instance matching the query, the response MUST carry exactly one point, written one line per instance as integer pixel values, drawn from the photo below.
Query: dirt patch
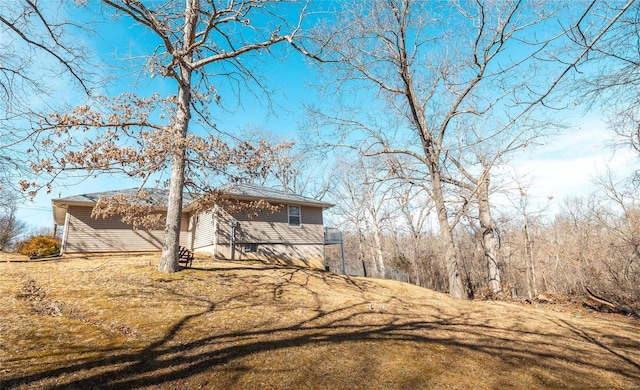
(115, 322)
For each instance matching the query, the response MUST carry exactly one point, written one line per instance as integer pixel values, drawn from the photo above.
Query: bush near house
(40, 246)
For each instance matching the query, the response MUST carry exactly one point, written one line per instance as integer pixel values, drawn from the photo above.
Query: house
(292, 233)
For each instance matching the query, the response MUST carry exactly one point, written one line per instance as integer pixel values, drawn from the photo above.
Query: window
(294, 216)
(250, 248)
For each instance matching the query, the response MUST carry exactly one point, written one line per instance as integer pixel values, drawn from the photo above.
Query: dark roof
(254, 191)
(160, 195)
(240, 191)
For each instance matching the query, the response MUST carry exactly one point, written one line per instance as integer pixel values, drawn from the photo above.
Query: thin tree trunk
(413, 259)
(532, 290)
(530, 270)
(379, 254)
(374, 228)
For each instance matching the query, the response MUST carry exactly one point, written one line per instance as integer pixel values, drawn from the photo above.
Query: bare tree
(610, 76)
(618, 211)
(36, 48)
(364, 198)
(436, 68)
(415, 208)
(10, 227)
(529, 216)
(198, 44)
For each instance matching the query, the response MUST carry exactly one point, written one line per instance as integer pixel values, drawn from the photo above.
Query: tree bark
(375, 230)
(490, 237)
(456, 287)
(530, 270)
(170, 248)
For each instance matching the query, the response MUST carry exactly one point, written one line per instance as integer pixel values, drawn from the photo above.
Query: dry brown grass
(115, 322)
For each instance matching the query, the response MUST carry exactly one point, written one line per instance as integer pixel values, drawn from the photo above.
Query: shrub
(41, 246)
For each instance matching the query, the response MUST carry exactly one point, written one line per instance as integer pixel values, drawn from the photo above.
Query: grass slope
(115, 322)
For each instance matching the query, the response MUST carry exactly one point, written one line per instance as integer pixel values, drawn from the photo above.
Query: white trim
(63, 247)
(214, 216)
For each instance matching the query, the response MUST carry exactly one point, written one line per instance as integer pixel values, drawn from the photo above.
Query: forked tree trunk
(432, 154)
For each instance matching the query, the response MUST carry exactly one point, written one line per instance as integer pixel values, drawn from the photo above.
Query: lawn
(115, 322)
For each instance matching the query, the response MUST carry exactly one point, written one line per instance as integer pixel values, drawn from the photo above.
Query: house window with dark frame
(294, 216)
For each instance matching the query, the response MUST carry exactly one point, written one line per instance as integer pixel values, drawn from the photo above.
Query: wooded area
(591, 243)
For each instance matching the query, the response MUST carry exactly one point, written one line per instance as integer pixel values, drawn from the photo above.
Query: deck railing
(332, 235)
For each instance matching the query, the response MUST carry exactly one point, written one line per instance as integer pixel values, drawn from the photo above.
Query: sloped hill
(114, 322)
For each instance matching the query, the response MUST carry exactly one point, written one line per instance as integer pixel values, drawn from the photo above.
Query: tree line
(592, 242)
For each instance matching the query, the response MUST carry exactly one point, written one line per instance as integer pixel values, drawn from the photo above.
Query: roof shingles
(245, 191)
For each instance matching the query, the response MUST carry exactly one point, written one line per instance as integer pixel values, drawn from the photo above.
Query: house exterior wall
(85, 234)
(302, 255)
(274, 228)
(274, 238)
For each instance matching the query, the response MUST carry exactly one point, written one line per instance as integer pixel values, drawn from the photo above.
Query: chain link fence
(364, 268)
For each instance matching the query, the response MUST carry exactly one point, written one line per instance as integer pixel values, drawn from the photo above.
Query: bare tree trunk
(170, 247)
(414, 262)
(456, 288)
(432, 151)
(490, 237)
(530, 270)
(377, 239)
(361, 245)
(374, 228)
(415, 220)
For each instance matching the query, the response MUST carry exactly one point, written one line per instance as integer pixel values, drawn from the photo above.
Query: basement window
(294, 216)
(249, 248)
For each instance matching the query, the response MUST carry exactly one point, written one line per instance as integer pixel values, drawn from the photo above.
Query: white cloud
(568, 164)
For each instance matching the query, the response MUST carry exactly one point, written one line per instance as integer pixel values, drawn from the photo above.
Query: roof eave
(312, 203)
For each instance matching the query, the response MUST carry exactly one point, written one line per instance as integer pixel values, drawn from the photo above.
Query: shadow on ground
(253, 326)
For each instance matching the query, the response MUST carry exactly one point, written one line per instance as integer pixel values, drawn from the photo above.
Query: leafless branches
(464, 83)
(36, 49)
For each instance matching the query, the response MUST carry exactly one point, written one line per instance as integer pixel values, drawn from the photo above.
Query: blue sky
(564, 166)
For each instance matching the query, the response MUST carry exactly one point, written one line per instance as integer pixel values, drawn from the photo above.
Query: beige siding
(311, 216)
(274, 228)
(276, 240)
(85, 234)
(205, 250)
(302, 255)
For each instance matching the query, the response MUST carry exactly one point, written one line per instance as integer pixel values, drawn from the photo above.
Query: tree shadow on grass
(171, 359)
